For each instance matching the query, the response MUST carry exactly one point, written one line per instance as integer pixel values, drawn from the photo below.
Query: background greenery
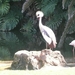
(19, 15)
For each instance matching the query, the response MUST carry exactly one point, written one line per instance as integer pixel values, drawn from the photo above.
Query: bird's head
(39, 14)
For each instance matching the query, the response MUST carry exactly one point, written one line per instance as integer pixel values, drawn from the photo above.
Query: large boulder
(53, 58)
(21, 59)
(32, 60)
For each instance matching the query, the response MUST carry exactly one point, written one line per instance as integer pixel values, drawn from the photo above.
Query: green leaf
(8, 37)
(16, 0)
(11, 41)
(11, 20)
(27, 26)
(0, 1)
(8, 24)
(56, 18)
(4, 8)
(4, 53)
(49, 7)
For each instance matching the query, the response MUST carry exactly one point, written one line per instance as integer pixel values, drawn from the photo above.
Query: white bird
(73, 44)
(46, 32)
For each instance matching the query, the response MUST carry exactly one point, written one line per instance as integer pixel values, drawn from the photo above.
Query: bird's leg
(73, 52)
(46, 45)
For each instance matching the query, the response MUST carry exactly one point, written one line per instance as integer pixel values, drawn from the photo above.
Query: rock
(21, 60)
(54, 58)
(36, 64)
(33, 60)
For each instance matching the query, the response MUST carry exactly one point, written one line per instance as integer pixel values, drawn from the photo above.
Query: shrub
(4, 53)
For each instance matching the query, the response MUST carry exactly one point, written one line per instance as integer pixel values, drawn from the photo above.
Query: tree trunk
(60, 44)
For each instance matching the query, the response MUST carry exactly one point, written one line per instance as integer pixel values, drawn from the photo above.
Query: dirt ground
(6, 64)
(70, 62)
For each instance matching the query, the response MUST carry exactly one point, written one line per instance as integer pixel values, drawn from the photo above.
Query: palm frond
(8, 37)
(16, 0)
(56, 19)
(27, 26)
(0, 1)
(49, 8)
(10, 21)
(4, 7)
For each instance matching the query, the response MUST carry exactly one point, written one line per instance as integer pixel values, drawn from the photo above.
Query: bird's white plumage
(50, 33)
(72, 43)
(46, 32)
(51, 36)
(48, 40)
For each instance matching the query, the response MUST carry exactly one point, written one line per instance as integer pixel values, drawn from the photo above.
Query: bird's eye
(38, 15)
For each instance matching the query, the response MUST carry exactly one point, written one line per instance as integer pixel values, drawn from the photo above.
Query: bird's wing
(50, 33)
(46, 37)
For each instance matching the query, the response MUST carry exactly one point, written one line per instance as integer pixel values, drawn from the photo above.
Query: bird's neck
(40, 22)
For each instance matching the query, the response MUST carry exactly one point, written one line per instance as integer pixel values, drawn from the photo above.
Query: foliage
(21, 13)
(16, 0)
(9, 22)
(70, 21)
(4, 7)
(68, 48)
(49, 7)
(11, 41)
(9, 18)
(56, 19)
(27, 26)
(67, 41)
(4, 53)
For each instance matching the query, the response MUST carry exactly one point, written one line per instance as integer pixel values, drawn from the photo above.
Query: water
(14, 41)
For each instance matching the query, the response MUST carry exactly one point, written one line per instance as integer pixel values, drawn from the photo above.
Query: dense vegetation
(20, 15)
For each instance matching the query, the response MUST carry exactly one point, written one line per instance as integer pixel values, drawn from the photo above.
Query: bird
(46, 32)
(73, 44)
